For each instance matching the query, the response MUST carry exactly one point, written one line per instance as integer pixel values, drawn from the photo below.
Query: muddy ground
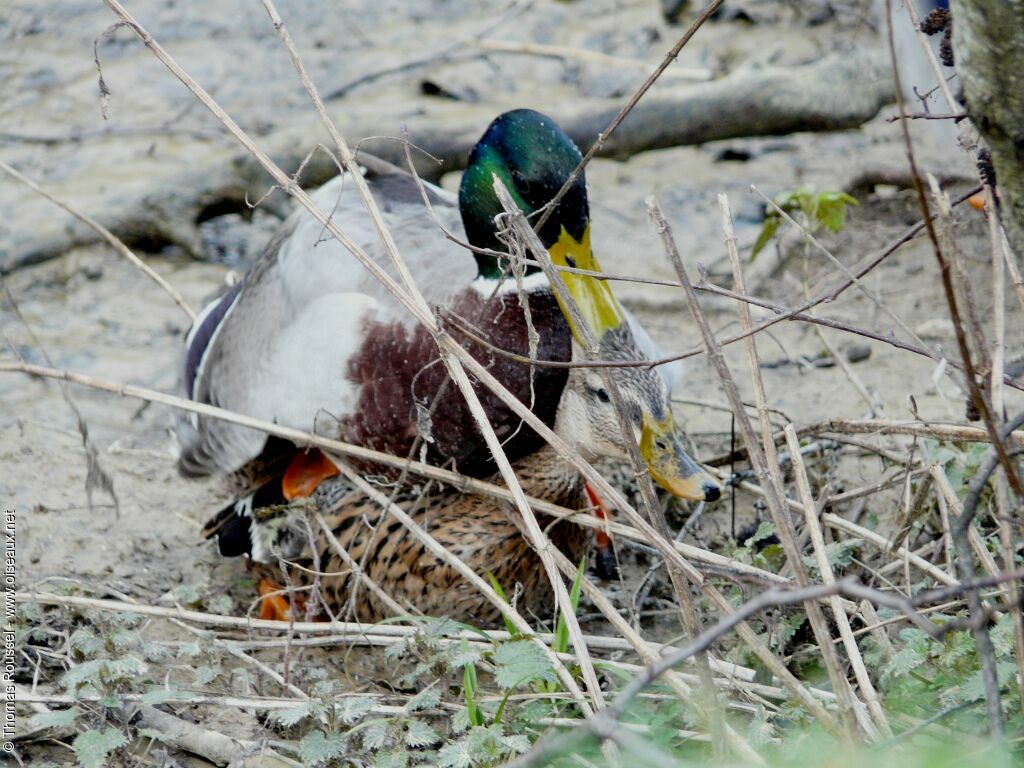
(91, 312)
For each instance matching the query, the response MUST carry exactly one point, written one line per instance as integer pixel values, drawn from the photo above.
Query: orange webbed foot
(307, 470)
(274, 606)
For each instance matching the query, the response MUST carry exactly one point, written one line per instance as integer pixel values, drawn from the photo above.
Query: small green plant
(816, 209)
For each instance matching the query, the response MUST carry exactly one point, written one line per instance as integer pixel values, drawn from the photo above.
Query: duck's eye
(602, 395)
(522, 183)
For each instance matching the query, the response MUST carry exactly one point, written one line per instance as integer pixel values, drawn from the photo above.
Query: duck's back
(310, 339)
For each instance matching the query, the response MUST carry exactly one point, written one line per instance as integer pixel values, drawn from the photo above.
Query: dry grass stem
(714, 352)
(506, 610)
(849, 274)
(766, 467)
(678, 578)
(825, 569)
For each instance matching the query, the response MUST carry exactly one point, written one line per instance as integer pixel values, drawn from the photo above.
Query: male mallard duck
(309, 339)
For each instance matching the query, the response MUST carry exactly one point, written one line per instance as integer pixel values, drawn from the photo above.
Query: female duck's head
(587, 419)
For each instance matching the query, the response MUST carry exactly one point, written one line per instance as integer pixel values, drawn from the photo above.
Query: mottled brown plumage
(482, 531)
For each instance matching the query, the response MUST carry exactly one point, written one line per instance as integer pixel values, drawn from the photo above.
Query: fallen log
(165, 206)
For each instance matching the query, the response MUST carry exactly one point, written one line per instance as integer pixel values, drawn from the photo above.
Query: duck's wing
(276, 346)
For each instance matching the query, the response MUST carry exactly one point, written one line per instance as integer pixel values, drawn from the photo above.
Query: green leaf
(455, 755)
(517, 743)
(92, 747)
(764, 530)
(560, 642)
(86, 642)
(56, 719)
(460, 656)
(428, 698)
(375, 735)
(831, 212)
(907, 658)
(1002, 635)
(86, 673)
(289, 717)
(469, 685)
(768, 230)
(123, 638)
(317, 747)
(205, 674)
(839, 554)
(394, 758)
(420, 734)
(519, 663)
(186, 594)
(189, 650)
(509, 626)
(222, 604)
(353, 708)
(398, 650)
(160, 695)
(788, 628)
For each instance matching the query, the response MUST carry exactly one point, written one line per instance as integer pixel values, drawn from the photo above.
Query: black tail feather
(233, 525)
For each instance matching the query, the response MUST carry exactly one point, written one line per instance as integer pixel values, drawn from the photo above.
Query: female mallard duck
(309, 339)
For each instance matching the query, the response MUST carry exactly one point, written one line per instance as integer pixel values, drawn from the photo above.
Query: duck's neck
(545, 475)
(535, 281)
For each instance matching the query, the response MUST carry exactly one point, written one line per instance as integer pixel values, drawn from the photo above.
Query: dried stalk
(765, 462)
(448, 477)
(853, 278)
(954, 432)
(506, 609)
(688, 613)
(357, 569)
(714, 352)
(982, 639)
(605, 724)
(977, 395)
(649, 655)
(998, 242)
(825, 568)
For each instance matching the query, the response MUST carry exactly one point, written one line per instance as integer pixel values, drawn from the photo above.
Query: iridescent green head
(533, 157)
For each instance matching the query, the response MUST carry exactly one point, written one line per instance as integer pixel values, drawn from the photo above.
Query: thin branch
(977, 396)
(765, 461)
(454, 479)
(825, 569)
(439, 551)
(606, 723)
(633, 101)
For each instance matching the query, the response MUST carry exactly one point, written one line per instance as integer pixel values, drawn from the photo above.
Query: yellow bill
(594, 297)
(670, 466)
